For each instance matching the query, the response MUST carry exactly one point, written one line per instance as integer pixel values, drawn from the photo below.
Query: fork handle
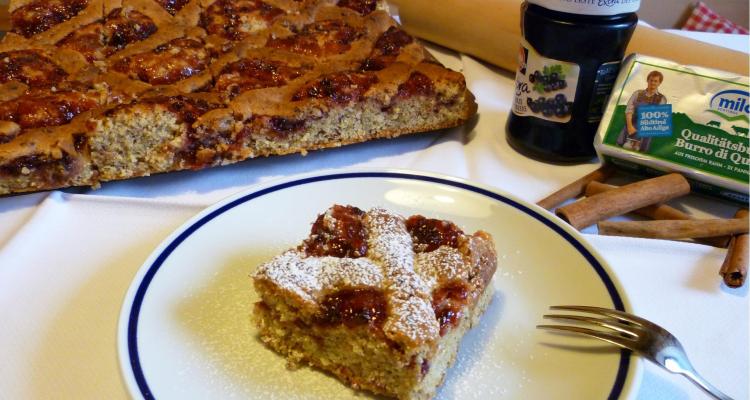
(706, 386)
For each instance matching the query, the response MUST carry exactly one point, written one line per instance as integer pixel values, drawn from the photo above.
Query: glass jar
(568, 61)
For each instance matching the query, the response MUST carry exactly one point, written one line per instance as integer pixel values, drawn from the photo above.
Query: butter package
(664, 117)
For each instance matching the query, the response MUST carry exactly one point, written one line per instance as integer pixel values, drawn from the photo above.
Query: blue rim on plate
(133, 314)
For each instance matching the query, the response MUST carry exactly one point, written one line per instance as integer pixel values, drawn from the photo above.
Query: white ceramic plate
(185, 328)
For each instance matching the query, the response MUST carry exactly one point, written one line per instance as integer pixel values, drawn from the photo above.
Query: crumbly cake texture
(99, 90)
(377, 300)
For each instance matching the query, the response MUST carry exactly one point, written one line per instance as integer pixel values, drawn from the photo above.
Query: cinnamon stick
(624, 199)
(575, 189)
(674, 229)
(734, 268)
(658, 211)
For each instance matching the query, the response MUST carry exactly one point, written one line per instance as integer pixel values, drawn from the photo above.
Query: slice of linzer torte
(377, 300)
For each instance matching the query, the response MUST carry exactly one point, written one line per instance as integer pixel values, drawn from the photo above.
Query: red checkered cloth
(704, 19)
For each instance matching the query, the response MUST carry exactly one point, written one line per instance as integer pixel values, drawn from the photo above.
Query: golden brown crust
(283, 76)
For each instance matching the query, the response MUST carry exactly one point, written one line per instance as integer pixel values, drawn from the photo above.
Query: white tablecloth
(67, 258)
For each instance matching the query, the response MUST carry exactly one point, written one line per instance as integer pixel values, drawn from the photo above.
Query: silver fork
(634, 333)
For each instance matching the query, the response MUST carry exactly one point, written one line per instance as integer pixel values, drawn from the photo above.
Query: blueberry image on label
(557, 106)
(550, 79)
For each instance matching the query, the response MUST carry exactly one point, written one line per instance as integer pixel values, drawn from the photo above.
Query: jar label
(545, 88)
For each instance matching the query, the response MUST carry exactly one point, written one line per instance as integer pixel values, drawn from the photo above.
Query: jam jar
(568, 60)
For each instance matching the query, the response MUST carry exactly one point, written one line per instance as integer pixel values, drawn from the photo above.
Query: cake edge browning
(118, 153)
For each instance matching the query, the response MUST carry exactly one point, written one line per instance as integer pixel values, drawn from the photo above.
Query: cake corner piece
(378, 300)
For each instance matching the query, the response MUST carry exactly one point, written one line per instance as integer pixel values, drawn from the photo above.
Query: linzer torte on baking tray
(93, 90)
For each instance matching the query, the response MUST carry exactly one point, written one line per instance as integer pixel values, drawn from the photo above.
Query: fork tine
(607, 337)
(606, 311)
(595, 321)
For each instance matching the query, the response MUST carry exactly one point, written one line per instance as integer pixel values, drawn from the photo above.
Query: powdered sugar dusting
(389, 242)
(309, 277)
(351, 272)
(442, 265)
(292, 272)
(411, 316)
(407, 279)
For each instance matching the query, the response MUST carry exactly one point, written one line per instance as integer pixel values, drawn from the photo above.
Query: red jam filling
(31, 68)
(285, 126)
(168, 63)
(121, 29)
(323, 38)
(41, 15)
(88, 41)
(391, 41)
(340, 87)
(354, 307)
(235, 19)
(248, 74)
(429, 234)
(338, 233)
(417, 84)
(34, 110)
(363, 7)
(172, 6)
(100, 40)
(448, 302)
(386, 49)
